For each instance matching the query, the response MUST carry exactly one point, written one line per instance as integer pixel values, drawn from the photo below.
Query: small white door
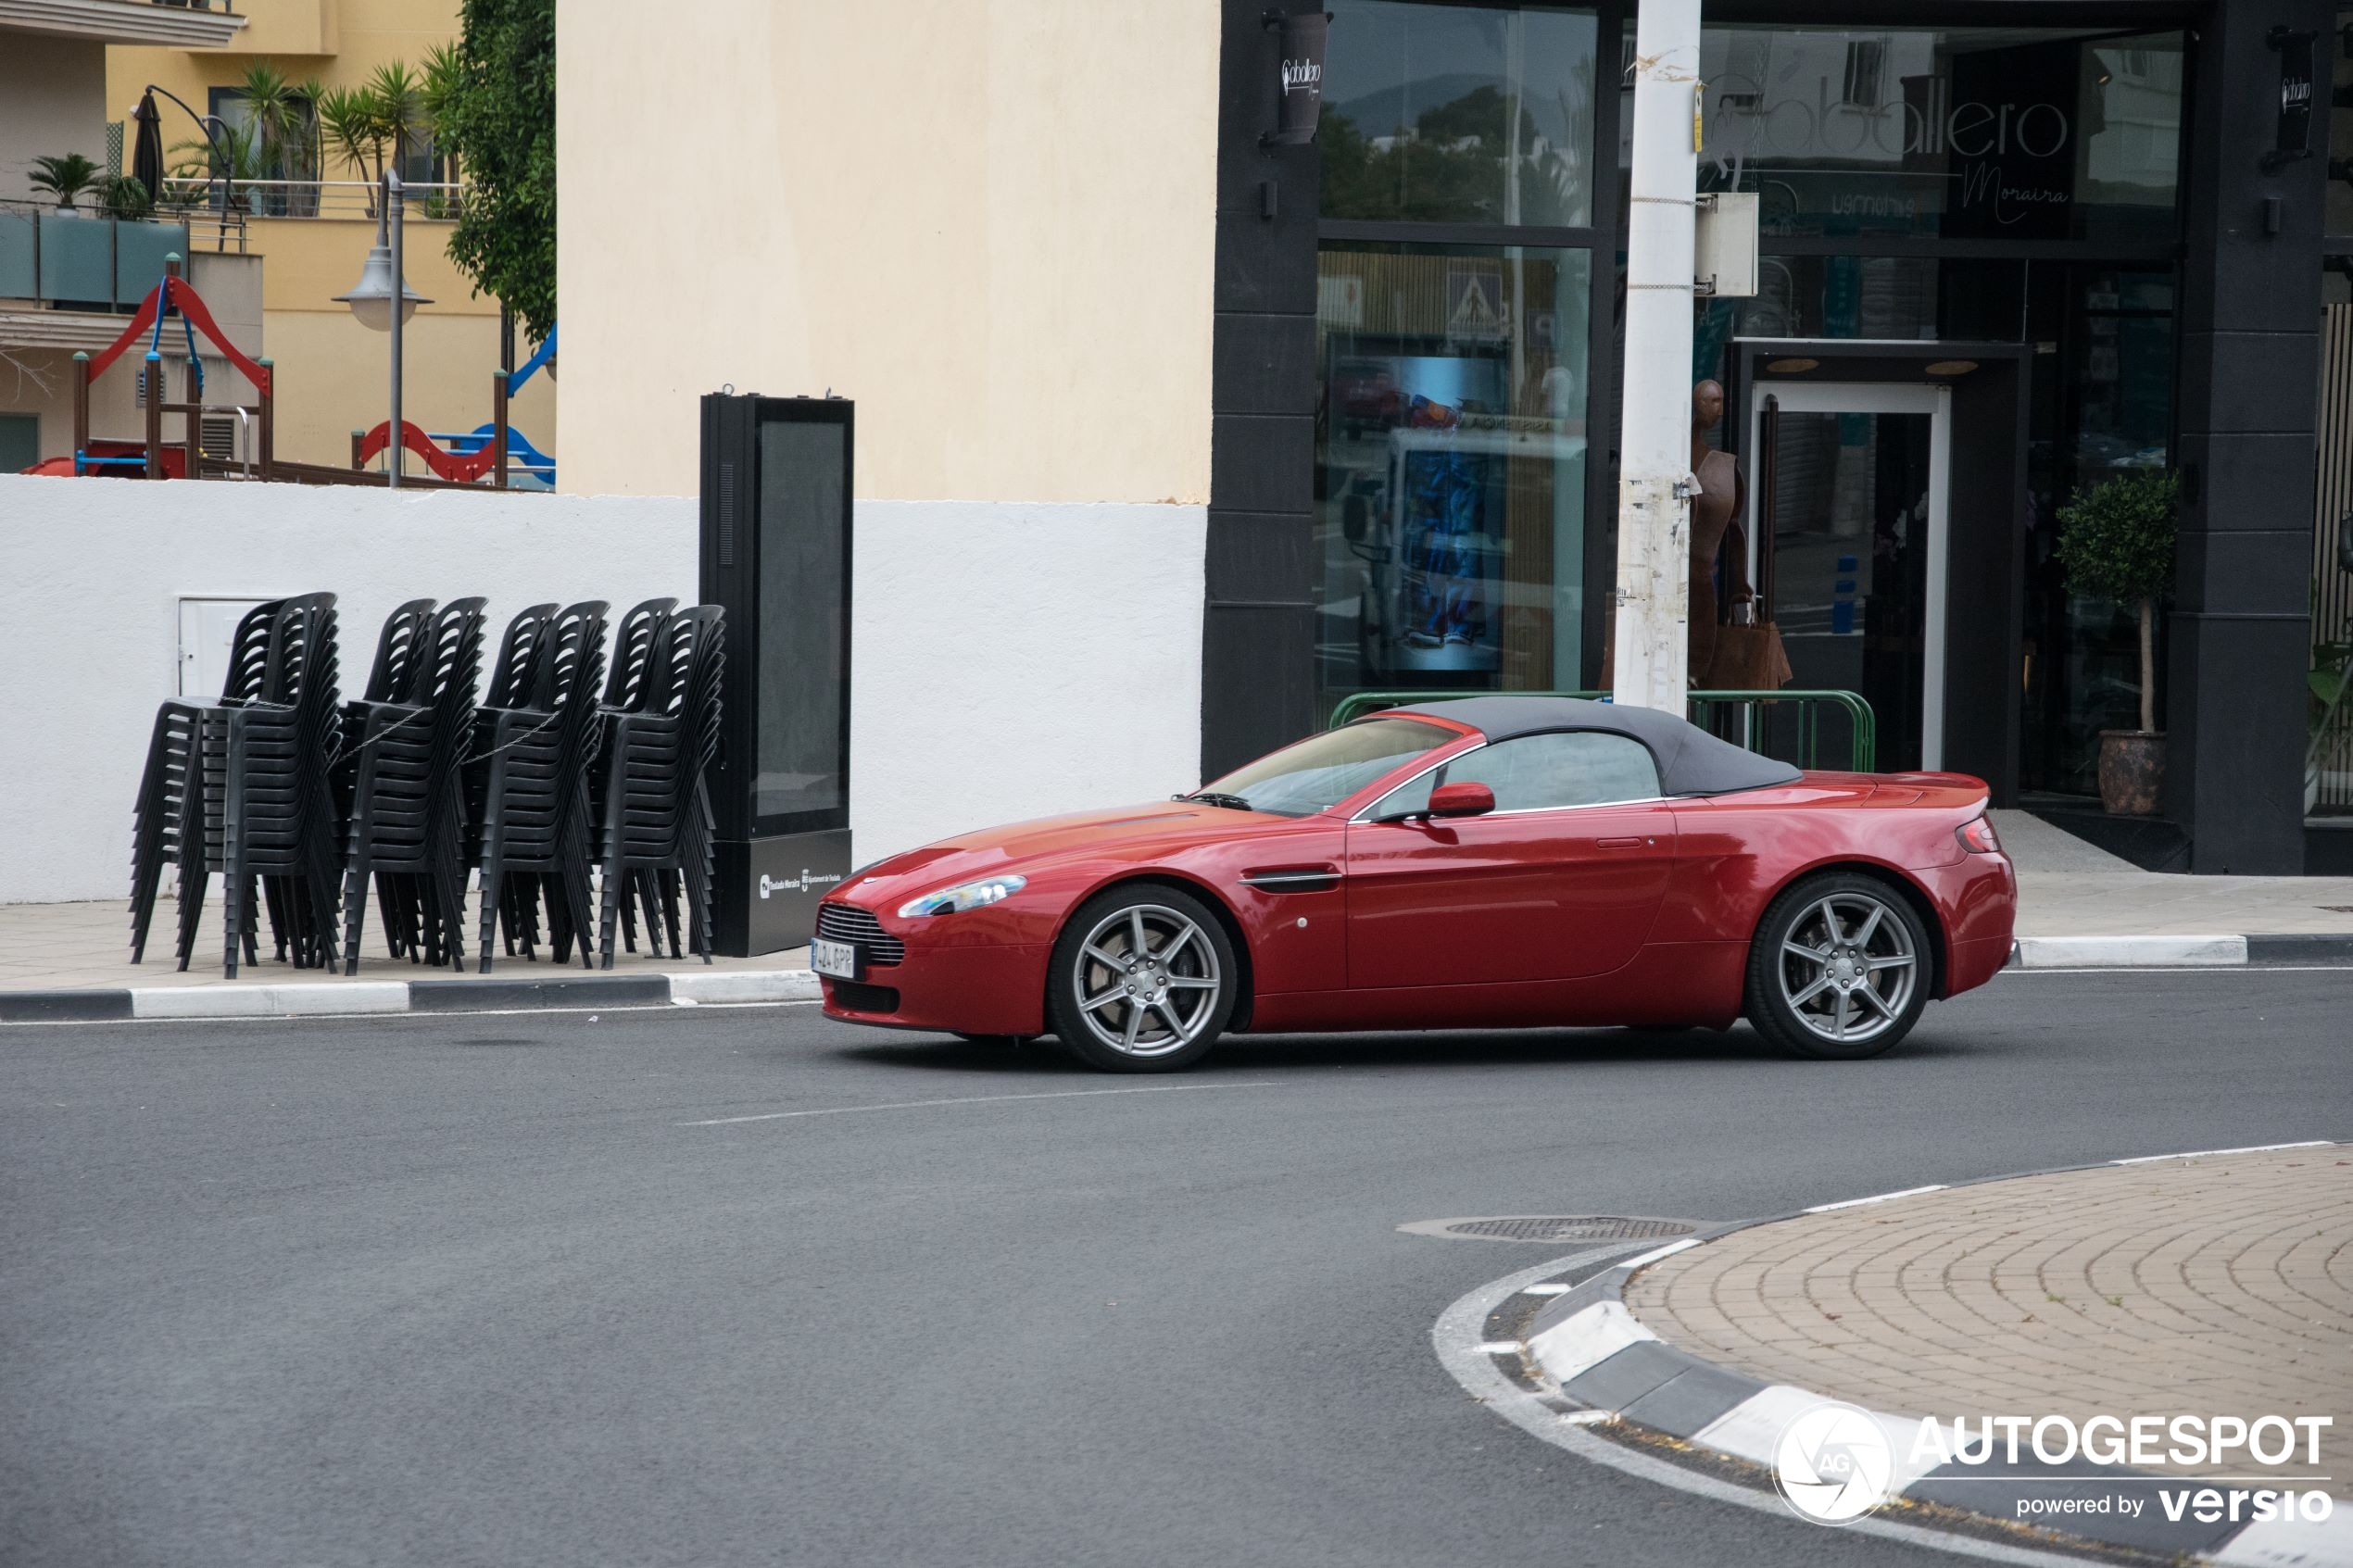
(1857, 569)
(206, 628)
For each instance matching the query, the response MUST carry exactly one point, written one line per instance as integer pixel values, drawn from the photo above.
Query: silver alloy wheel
(1146, 980)
(1848, 968)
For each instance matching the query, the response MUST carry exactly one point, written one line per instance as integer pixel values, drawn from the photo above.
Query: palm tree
(444, 75)
(64, 177)
(400, 95)
(280, 118)
(233, 153)
(351, 125)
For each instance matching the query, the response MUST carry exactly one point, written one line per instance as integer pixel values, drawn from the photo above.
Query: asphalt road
(480, 1290)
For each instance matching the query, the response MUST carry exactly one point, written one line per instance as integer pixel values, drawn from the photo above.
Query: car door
(1561, 880)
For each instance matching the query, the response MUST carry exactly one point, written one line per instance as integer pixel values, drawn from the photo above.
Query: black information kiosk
(775, 557)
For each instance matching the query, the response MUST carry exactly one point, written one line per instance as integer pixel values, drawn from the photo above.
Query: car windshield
(1322, 771)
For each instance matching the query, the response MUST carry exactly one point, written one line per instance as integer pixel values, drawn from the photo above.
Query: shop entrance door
(1847, 502)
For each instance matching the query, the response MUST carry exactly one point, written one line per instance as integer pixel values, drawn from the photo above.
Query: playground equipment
(467, 455)
(149, 458)
(468, 460)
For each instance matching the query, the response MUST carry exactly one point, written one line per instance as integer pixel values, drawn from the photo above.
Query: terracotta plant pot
(2132, 767)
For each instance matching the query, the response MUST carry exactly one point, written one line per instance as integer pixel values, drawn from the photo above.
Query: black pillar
(2247, 370)
(1258, 628)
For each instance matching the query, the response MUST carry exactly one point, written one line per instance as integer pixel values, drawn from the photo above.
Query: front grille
(850, 997)
(848, 922)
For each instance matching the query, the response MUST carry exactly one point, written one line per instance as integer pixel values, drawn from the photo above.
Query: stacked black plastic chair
(635, 641)
(168, 822)
(523, 655)
(401, 647)
(656, 812)
(268, 806)
(408, 818)
(527, 780)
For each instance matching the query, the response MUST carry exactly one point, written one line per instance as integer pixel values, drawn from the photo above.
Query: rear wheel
(1839, 969)
(1143, 980)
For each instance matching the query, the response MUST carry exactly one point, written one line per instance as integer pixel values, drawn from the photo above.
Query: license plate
(837, 958)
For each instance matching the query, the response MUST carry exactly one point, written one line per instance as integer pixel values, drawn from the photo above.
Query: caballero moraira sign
(1301, 78)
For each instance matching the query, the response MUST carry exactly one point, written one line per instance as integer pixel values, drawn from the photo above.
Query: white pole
(1655, 478)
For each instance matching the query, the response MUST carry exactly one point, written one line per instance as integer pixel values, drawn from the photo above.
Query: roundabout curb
(1581, 1363)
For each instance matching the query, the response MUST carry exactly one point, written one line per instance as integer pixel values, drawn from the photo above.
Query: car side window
(1540, 773)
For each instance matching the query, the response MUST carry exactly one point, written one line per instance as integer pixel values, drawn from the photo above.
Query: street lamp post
(382, 282)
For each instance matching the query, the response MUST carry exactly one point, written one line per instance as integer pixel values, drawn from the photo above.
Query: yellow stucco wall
(989, 222)
(333, 374)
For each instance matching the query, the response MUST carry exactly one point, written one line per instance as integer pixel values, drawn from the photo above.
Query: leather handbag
(1749, 657)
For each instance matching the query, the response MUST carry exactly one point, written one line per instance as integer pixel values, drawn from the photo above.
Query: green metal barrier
(1809, 706)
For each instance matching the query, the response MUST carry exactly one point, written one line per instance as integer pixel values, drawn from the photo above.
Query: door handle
(1619, 843)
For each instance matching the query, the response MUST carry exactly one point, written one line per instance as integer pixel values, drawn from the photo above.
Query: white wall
(990, 637)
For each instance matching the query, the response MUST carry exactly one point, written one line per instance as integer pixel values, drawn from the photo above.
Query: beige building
(956, 214)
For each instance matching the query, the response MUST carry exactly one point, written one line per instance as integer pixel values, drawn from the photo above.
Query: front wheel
(1142, 980)
(1839, 969)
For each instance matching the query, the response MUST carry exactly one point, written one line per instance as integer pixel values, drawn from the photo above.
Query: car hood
(1161, 825)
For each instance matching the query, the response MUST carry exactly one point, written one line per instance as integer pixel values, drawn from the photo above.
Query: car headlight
(970, 895)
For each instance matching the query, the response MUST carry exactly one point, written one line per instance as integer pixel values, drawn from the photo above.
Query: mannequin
(1717, 508)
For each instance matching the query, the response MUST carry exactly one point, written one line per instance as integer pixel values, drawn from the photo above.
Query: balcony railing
(83, 259)
(310, 199)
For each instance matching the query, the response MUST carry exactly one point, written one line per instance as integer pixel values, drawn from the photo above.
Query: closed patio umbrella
(147, 155)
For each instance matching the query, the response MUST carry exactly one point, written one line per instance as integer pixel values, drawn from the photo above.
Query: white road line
(2210, 1153)
(1875, 1197)
(979, 1099)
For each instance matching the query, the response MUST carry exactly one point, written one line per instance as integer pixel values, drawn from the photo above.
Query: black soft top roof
(1691, 761)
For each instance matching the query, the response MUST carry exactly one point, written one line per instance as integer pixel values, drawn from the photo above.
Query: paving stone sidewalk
(2210, 1285)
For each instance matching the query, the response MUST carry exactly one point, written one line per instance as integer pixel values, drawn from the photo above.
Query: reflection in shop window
(1450, 453)
(2338, 217)
(1978, 133)
(1462, 114)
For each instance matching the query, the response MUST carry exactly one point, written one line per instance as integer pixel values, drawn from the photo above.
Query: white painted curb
(270, 1001)
(2129, 952)
(765, 986)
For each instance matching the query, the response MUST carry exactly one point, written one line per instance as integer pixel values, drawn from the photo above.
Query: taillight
(1977, 836)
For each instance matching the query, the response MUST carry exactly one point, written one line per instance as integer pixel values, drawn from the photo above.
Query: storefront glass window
(1451, 451)
(1458, 114)
(2015, 133)
(2339, 210)
(2329, 776)
(2102, 405)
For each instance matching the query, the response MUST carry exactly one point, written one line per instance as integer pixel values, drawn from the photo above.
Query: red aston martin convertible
(1492, 861)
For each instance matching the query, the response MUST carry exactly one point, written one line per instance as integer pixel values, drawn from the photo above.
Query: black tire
(1861, 980)
(1185, 984)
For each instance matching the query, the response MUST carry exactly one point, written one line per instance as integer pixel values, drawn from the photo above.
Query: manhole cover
(1553, 1228)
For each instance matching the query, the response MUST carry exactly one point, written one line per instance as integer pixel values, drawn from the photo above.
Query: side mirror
(1464, 798)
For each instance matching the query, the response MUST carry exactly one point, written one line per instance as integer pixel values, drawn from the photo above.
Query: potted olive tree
(2116, 541)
